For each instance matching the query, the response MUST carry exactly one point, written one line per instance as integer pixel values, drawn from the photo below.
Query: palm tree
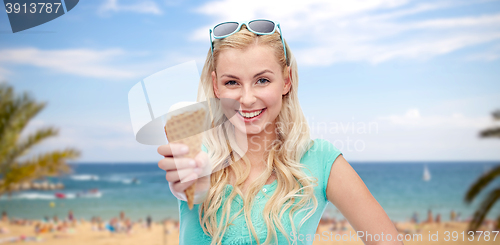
(482, 182)
(16, 166)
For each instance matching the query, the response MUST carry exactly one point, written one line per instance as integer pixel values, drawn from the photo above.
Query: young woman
(260, 179)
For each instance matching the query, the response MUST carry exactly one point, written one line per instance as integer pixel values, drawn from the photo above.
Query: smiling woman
(267, 181)
(257, 82)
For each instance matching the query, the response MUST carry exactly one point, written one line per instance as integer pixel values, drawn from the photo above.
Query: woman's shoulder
(322, 148)
(320, 156)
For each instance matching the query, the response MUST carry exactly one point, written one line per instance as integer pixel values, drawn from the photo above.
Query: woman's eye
(263, 80)
(231, 83)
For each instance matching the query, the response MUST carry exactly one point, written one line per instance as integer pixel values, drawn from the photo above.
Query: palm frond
(53, 163)
(483, 210)
(47, 164)
(490, 132)
(17, 174)
(20, 149)
(496, 115)
(16, 111)
(481, 183)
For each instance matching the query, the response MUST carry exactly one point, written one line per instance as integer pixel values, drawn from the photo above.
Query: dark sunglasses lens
(262, 26)
(225, 29)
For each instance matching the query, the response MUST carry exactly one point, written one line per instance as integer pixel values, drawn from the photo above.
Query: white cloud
(448, 130)
(417, 136)
(110, 64)
(413, 118)
(327, 31)
(83, 62)
(143, 7)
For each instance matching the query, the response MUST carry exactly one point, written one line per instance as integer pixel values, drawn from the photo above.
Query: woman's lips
(254, 115)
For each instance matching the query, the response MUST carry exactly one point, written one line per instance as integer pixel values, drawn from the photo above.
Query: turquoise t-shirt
(318, 159)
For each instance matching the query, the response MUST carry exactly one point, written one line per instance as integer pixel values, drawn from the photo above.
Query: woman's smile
(250, 116)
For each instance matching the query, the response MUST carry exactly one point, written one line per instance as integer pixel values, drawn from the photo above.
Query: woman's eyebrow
(262, 72)
(256, 75)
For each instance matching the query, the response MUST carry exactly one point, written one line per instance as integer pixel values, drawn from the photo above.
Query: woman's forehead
(254, 58)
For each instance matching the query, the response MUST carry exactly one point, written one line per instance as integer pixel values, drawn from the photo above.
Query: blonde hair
(295, 189)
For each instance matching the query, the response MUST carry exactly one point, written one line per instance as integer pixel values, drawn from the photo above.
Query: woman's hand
(183, 172)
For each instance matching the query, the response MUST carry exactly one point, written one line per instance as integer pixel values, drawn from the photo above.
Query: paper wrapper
(186, 129)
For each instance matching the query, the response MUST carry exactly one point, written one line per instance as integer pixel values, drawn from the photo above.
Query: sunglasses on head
(259, 27)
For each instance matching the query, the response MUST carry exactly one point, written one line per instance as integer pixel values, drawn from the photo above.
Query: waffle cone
(186, 129)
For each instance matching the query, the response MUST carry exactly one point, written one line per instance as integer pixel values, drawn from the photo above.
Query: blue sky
(423, 74)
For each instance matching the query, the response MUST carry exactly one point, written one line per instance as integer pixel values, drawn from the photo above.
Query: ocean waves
(111, 178)
(52, 196)
(84, 177)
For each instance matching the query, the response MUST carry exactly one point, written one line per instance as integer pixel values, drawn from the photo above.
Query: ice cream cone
(185, 126)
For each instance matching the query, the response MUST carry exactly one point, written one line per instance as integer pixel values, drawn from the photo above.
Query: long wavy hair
(295, 189)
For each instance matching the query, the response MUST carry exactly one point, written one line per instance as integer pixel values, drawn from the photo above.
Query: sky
(383, 80)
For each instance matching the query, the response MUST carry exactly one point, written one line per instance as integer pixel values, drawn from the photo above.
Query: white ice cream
(182, 107)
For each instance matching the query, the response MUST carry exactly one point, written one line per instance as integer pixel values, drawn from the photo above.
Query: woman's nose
(247, 97)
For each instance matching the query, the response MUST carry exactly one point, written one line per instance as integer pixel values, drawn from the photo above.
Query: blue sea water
(398, 187)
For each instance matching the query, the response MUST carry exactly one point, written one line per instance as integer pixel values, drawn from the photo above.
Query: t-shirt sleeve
(330, 154)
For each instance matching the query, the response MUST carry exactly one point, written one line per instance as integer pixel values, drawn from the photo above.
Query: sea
(140, 190)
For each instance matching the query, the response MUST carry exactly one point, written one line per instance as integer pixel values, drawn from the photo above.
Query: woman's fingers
(182, 175)
(202, 161)
(183, 172)
(173, 149)
(170, 163)
(181, 187)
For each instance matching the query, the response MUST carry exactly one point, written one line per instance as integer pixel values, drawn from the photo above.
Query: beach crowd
(122, 227)
(67, 226)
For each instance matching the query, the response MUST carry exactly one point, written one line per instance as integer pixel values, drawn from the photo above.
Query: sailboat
(427, 174)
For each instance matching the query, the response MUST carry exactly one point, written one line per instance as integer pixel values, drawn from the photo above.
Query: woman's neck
(257, 143)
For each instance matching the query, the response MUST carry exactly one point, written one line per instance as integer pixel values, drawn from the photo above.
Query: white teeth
(250, 115)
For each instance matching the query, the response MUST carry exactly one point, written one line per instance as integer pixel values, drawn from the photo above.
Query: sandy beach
(81, 232)
(84, 232)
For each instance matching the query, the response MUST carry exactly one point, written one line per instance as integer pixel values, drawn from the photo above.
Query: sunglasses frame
(276, 25)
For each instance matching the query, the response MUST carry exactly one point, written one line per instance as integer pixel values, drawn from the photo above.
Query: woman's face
(254, 78)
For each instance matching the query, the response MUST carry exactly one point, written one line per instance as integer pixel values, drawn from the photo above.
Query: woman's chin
(250, 130)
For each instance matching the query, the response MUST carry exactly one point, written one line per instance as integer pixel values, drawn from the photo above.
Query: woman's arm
(350, 195)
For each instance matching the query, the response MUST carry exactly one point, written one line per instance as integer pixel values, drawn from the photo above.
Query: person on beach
(334, 224)
(260, 178)
(453, 215)
(414, 218)
(429, 217)
(5, 217)
(71, 218)
(148, 222)
(438, 218)
(122, 216)
(111, 226)
(93, 223)
(55, 219)
(128, 225)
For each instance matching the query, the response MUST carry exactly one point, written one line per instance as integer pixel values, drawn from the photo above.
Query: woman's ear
(288, 81)
(214, 84)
